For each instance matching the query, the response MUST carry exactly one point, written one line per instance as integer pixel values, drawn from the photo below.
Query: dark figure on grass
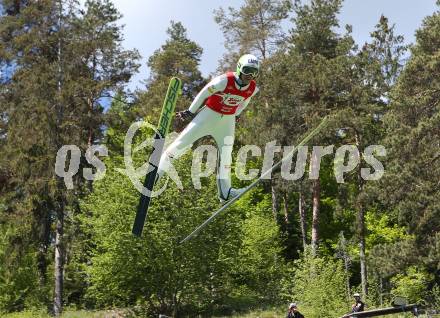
(358, 306)
(293, 312)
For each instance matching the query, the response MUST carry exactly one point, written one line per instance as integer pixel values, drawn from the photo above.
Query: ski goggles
(249, 70)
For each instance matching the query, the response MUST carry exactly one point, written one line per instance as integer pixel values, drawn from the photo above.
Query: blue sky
(146, 22)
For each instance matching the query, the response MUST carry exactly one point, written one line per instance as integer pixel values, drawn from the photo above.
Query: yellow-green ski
(169, 105)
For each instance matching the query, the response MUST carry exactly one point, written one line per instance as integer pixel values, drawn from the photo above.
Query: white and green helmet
(248, 64)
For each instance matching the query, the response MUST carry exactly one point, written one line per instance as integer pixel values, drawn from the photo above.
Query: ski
(174, 89)
(414, 308)
(253, 184)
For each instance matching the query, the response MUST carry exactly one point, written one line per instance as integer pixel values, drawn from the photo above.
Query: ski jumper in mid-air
(219, 102)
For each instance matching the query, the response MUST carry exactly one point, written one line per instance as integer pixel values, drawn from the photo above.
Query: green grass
(261, 314)
(66, 314)
(116, 314)
(26, 314)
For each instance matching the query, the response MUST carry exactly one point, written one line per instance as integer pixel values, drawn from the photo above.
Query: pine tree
(255, 27)
(376, 68)
(62, 66)
(307, 80)
(180, 57)
(409, 187)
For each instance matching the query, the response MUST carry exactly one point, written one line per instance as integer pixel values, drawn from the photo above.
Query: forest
(64, 76)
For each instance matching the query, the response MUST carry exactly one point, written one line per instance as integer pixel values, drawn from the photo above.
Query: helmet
(356, 295)
(292, 305)
(248, 64)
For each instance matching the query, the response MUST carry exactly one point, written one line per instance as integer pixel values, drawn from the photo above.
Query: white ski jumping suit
(222, 100)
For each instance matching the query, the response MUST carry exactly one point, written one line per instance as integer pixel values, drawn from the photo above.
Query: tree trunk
(59, 263)
(44, 239)
(344, 255)
(302, 218)
(60, 204)
(315, 215)
(362, 257)
(361, 224)
(347, 278)
(90, 134)
(286, 209)
(275, 206)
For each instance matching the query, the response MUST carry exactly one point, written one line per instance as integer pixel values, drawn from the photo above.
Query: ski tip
(184, 240)
(192, 235)
(174, 78)
(135, 234)
(137, 231)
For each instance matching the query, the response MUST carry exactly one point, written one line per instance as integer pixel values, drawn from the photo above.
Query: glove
(184, 117)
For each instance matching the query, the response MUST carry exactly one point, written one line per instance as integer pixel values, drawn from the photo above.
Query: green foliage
(259, 262)
(264, 313)
(157, 271)
(62, 60)
(412, 284)
(392, 258)
(317, 284)
(239, 261)
(180, 57)
(28, 314)
(384, 55)
(254, 28)
(381, 229)
(19, 285)
(434, 297)
(314, 27)
(410, 187)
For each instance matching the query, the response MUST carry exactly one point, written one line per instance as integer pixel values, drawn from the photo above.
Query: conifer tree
(63, 61)
(409, 187)
(307, 81)
(376, 67)
(255, 27)
(180, 57)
